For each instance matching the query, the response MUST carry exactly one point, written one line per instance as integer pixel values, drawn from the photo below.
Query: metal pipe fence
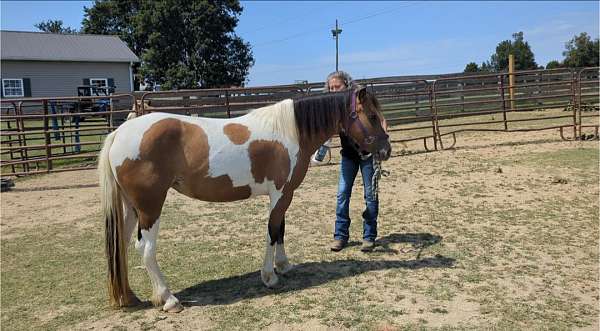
(43, 135)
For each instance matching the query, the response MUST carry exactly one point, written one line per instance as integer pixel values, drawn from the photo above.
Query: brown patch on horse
(270, 160)
(147, 179)
(172, 154)
(237, 133)
(214, 189)
(277, 215)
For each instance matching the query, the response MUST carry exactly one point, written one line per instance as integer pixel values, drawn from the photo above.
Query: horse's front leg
(282, 264)
(279, 205)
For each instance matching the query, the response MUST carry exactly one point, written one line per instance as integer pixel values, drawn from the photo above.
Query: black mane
(319, 113)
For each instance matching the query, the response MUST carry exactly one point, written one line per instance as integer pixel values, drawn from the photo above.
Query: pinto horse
(265, 152)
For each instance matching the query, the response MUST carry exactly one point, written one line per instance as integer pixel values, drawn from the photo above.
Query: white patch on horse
(267, 274)
(281, 260)
(272, 123)
(160, 291)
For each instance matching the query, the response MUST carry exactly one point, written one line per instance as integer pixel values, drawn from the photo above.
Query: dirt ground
(500, 232)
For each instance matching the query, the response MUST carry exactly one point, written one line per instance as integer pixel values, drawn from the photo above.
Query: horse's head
(363, 125)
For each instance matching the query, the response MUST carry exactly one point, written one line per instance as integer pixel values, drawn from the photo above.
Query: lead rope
(378, 171)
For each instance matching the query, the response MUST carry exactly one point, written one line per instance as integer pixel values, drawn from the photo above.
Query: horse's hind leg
(146, 245)
(130, 218)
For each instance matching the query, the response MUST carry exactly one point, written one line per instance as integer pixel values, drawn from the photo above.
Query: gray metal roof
(41, 46)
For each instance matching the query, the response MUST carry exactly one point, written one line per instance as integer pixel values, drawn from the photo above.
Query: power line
(385, 11)
(351, 21)
(320, 28)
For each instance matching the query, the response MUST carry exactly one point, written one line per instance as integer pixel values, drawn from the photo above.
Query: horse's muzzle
(383, 153)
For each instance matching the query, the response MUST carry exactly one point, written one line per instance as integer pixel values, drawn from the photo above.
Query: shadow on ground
(418, 241)
(306, 275)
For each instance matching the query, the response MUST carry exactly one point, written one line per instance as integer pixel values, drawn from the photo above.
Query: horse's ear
(361, 93)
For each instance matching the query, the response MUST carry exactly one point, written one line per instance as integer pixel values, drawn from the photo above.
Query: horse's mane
(279, 118)
(316, 113)
(304, 116)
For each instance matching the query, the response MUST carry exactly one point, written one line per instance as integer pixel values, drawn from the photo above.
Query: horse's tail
(112, 212)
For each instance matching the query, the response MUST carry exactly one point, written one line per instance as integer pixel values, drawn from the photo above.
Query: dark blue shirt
(348, 149)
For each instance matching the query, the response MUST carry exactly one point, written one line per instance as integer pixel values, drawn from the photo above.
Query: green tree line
(581, 51)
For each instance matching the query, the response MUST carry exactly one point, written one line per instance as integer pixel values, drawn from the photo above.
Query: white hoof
(172, 305)
(283, 268)
(270, 279)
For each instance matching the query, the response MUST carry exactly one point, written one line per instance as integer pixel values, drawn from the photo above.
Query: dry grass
(499, 233)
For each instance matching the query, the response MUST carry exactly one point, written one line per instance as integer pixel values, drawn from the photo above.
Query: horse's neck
(313, 143)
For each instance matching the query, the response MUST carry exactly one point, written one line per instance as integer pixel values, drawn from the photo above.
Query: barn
(38, 64)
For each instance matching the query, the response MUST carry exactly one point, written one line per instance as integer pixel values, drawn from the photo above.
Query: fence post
(47, 137)
(578, 99)
(511, 80)
(501, 82)
(417, 108)
(433, 113)
(227, 103)
(539, 88)
(10, 138)
(461, 87)
(574, 104)
(186, 104)
(22, 136)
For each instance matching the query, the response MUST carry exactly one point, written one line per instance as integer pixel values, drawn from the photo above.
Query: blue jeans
(348, 171)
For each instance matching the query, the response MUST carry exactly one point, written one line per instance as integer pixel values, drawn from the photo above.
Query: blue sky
(292, 40)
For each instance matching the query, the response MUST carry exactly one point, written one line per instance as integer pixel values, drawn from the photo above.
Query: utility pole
(336, 34)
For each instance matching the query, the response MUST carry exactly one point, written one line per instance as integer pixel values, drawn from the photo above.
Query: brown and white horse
(266, 152)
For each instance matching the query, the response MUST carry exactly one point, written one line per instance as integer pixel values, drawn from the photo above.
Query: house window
(12, 87)
(98, 82)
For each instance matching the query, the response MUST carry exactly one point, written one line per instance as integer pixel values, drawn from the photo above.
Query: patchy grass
(462, 246)
(586, 159)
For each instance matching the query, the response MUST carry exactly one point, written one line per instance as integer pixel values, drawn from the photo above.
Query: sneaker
(367, 246)
(338, 245)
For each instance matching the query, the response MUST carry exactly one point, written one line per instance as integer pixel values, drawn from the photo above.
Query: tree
(553, 65)
(182, 44)
(192, 44)
(117, 17)
(581, 51)
(524, 58)
(486, 66)
(472, 67)
(54, 26)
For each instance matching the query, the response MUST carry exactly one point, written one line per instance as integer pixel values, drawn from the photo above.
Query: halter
(352, 120)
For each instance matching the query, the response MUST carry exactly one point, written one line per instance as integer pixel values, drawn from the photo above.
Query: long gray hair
(343, 76)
